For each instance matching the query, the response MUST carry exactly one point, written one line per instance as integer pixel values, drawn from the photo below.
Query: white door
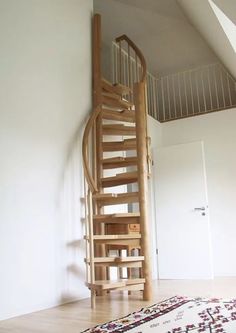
(183, 233)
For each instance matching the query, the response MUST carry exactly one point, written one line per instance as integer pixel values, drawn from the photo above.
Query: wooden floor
(75, 317)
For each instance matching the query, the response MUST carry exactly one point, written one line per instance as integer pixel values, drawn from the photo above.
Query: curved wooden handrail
(88, 127)
(138, 52)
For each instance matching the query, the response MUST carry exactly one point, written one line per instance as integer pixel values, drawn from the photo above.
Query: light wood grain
(78, 316)
(118, 129)
(116, 88)
(127, 144)
(110, 101)
(120, 179)
(119, 162)
(116, 199)
(141, 129)
(103, 236)
(122, 219)
(124, 115)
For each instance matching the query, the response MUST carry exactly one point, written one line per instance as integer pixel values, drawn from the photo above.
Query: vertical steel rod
(168, 94)
(180, 99)
(163, 101)
(174, 94)
(209, 87)
(203, 91)
(185, 92)
(222, 87)
(191, 90)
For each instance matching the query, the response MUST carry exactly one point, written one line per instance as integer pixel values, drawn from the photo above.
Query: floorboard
(75, 317)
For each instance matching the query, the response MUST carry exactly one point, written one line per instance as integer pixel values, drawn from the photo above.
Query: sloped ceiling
(160, 28)
(228, 7)
(201, 13)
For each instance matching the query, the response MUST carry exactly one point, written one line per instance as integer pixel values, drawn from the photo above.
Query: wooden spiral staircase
(119, 113)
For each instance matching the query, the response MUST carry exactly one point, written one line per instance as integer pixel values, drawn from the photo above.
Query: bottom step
(122, 284)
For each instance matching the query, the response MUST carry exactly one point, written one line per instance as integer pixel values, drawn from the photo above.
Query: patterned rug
(177, 315)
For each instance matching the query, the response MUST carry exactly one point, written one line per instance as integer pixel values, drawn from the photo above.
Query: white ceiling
(160, 28)
(220, 36)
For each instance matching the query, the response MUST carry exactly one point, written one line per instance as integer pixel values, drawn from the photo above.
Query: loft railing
(129, 68)
(129, 65)
(197, 91)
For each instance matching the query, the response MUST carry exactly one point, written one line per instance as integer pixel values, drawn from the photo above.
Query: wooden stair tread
(112, 102)
(130, 258)
(116, 259)
(104, 195)
(115, 96)
(132, 239)
(106, 284)
(115, 88)
(122, 88)
(112, 95)
(107, 199)
(118, 129)
(117, 218)
(123, 175)
(115, 237)
(113, 284)
(119, 162)
(124, 115)
(127, 144)
(120, 179)
(134, 281)
(118, 215)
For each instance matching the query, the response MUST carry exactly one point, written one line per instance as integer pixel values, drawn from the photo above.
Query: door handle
(200, 208)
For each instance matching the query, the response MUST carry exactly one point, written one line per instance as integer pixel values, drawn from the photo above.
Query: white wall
(157, 28)
(45, 95)
(217, 130)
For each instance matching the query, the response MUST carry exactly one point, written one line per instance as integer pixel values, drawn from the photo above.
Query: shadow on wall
(71, 245)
